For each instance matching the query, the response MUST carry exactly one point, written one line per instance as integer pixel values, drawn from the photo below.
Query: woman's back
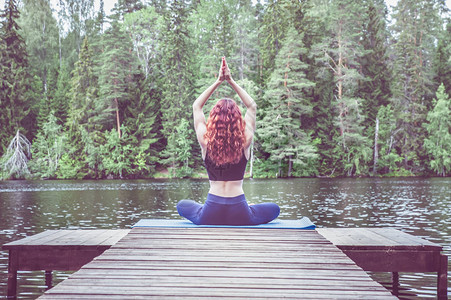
(226, 180)
(225, 141)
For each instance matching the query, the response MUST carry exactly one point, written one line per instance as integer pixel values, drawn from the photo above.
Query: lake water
(419, 206)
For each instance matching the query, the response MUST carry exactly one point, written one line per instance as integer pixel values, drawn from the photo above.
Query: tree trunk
(339, 75)
(376, 149)
(290, 166)
(118, 123)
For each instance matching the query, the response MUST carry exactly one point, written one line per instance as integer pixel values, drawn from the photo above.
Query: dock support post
(48, 278)
(12, 275)
(395, 283)
(442, 278)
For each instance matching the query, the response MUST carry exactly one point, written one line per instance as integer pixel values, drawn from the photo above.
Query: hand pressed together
(224, 71)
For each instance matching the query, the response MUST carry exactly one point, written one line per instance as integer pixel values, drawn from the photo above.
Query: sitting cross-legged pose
(225, 140)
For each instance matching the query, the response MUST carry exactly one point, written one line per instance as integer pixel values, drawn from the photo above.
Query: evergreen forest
(343, 87)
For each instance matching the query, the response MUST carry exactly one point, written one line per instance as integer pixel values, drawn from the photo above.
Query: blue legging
(227, 211)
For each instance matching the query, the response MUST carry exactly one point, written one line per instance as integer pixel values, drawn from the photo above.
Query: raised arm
(200, 124)
(251, 113)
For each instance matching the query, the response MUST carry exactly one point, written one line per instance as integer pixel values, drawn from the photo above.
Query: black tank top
(227, 172)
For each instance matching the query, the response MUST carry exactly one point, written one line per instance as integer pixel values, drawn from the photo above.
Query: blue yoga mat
(303, 223)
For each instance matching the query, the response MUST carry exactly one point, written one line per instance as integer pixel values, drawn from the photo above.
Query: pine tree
(387, 158)
(40, 31)
(340, 52)
(47, 149)
(123, 7)
(60, 101)
(14, 75)
(117, 155)
(183, 151)
(281, 132)
(143, 119)
(442, 63)
(115, 77)
(145, 29)
(246, 37)
(277, 17)
(415, 27)
(177, 87)
(212, 31)
(312, 20)
(83, 135)
(76, 22)
(375, 88)
(438, 142)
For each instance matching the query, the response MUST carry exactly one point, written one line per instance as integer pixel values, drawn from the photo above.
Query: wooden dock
(243, 263)
(391, 250)
(63, 250)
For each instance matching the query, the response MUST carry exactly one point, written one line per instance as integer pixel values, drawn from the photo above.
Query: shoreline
(205, 177)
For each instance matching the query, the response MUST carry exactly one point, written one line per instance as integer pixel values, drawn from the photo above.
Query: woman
(225, 141)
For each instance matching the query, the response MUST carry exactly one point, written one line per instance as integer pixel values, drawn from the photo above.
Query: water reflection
(414, 205)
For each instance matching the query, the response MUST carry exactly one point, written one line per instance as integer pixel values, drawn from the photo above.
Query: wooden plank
(40, 237)
(225, 282)
(375, 238)
(220, 283)
(114, 236)
(390, 250)
(187, 297)
(68, 239)
(55, 259)
(218, 262)
(248, 268)
(153, 291)
(223, 231)
(255, 297)
(222, 258)
(395, 260)
(250, 253)
(226, 273)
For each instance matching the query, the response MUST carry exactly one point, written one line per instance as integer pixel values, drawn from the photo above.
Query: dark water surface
(419, 206)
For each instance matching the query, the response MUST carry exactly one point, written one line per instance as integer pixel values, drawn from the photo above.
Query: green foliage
(48, 147)
(145, 27)
(277, 17)
(339, 52)
(264, 168)
(389, 160)
(39, 29)
(69, 168)
(182, 145)
(438, 142)
(177, 89)
(83, 107)
(14, 75)
(415, 27)
(280, 132)
(375, 88)
(442, 61)
(60, 104)
(323, 73)
(116, 69)
(117, 155)
(143, 119)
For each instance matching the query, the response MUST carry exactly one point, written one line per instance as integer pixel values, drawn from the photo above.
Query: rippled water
(414, 205)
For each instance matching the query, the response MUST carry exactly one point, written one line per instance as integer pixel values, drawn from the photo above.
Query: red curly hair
(225, 133)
